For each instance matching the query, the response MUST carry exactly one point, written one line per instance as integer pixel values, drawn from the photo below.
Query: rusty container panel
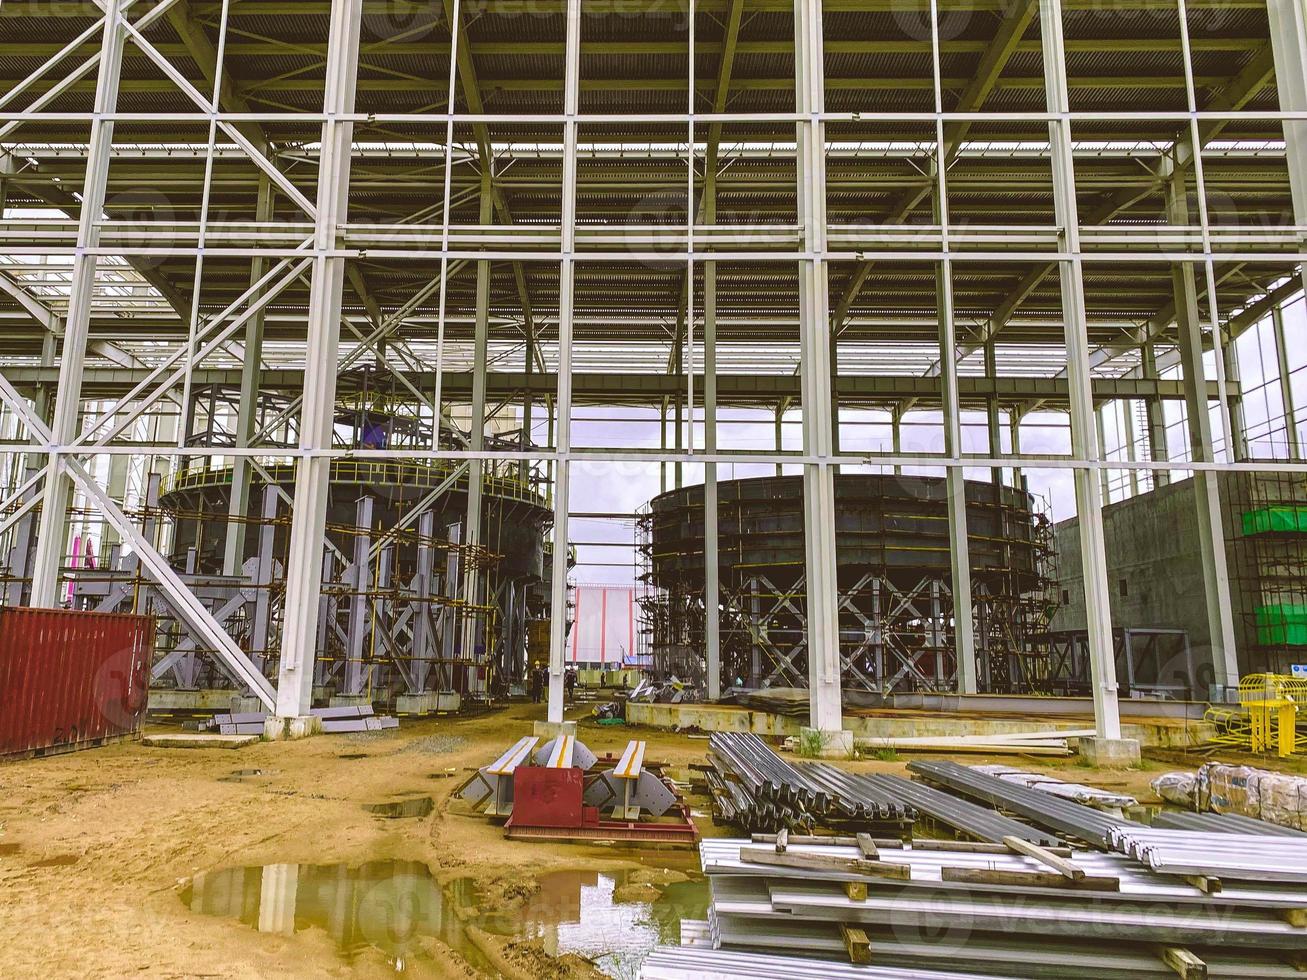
(71, 680)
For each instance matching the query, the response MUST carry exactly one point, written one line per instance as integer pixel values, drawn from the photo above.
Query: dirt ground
(97, 847)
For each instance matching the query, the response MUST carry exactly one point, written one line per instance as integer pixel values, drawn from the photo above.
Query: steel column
(317, 417)
(247, 411)
(823, 628)
(53, 532)
(563, 407)
(1293, 444)
(1207, 500)
(1084, 437)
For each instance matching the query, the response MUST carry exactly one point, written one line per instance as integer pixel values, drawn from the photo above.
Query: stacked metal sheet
(756, 790)
(1244, 857)
(1067, 818)
(695, 962)
(970, 911)
(1221, 823)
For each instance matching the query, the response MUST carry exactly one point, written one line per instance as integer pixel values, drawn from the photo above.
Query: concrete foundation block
(242, 704)
(170, 699)
(552, 729)
(428, 703)
(1110, 753)
(815, 744)
(278, 729)
(351, 701)
(198, 740)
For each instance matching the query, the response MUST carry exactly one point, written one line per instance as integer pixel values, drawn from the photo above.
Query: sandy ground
(97, 847)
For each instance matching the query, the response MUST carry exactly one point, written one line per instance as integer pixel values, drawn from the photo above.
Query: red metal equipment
(548, 805)
(71, 680)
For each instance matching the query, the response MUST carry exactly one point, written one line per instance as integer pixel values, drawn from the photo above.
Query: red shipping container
(71, 680)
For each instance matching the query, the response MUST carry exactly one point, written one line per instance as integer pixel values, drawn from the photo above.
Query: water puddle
(418, 806)
(240, 775)
(58, 861)
(612, 918)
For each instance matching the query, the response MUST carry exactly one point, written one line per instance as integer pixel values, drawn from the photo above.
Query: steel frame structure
(803, 206)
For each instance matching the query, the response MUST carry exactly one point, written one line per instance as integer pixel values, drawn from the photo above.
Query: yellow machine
(1267, 718)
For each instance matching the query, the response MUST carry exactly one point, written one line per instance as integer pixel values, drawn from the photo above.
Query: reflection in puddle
(392, 905)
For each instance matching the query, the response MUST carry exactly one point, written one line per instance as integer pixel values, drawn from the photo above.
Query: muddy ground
(97, 848)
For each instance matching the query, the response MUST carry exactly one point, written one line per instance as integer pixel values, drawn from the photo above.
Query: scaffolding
(1266, 547)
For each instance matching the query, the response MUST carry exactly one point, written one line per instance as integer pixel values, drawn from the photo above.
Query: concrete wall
(1155, 571)
(1165, 732)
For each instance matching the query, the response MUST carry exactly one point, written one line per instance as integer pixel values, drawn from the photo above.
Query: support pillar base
(552, 729)
(1110, 753)
(815, 744)
(279, 729)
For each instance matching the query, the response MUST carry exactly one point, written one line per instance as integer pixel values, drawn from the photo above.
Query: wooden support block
(867, 847)
(834, 840)
(1183, 962)
(1294, 958)
(1295, 917)
(1045, 857)
(1205, 883)
(782, 841)
(1030, 879)
(856, 944)
(856, 891)
(826, 862)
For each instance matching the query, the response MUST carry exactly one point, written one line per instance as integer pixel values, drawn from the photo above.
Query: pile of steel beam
(994, 911)
(1071, 820)
(1221, 823)
(964, 818)
(855, 800)
(756, 790)
(1244, 857)
(338, 720)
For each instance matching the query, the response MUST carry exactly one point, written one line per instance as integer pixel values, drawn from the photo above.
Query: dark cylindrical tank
(885, 523)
